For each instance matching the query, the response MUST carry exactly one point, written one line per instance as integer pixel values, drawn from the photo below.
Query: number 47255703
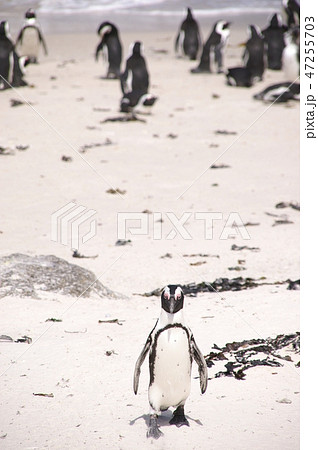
(309, 46)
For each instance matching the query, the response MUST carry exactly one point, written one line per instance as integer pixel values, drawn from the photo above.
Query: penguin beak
(172, 304)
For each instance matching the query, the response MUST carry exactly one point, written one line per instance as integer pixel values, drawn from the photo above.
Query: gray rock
(26, 276)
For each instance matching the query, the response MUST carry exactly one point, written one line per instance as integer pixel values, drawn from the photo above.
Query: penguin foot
(153, 430)
(112, 76)
(179, 418)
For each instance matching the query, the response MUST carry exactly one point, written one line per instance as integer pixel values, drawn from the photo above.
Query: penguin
(135, 82)
(291, 9)
(217, 41)
(188, 40)
(239, 76)
(171, 348)
(11, 65)
(274, 42)
(253, 56)
(111, 46)
(30, 38)
(291, 54)
(279, 93)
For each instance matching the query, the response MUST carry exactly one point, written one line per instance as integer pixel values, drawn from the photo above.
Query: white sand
(94, 407)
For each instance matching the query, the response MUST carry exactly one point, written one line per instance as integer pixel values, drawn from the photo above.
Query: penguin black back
(135, 82)
(6, 55)
(275, 43)
(111, 45)
(188, 39)
(135, 76)
(254, 53)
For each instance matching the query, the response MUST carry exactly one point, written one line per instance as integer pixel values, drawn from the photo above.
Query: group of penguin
(276, 47)
(30, 38)
(134, 81)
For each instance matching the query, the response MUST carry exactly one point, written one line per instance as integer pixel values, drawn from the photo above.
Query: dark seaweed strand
(153, 351)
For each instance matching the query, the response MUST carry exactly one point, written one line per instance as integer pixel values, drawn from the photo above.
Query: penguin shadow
(106, 77)
(163, 419)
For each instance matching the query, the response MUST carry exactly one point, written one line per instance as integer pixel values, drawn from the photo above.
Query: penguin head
(30, 14)
(172, 298)
(106, 28)
(222, 27)
(189, 13)
(136, 50)
(276, 21)
(254, 32)
(294, 32)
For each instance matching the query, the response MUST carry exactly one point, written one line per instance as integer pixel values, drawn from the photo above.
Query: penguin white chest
(30, 44)
(290, 63)
(171, 369)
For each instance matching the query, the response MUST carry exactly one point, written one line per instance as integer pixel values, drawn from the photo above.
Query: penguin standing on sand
(274, 42)
(135, 82)
(216, 41)
(171, 348)
(188, 40)
(30, 38)
(253, 56)
(11, 65)
(111, 46)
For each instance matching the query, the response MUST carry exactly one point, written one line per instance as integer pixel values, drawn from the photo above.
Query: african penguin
(239, 76)
(188, 40)
(291, 54)
(291, 9)
(171, 348)
(11, 65)
(216, 42)
(30, 38)
(280, 92)
(253, 56)
(274, 42)
(111, 46)
(135, 82)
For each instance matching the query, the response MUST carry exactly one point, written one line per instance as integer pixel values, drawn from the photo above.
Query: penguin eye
(166, 296)
(178, 296)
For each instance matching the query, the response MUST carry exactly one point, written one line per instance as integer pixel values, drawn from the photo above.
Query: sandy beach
(162, 164)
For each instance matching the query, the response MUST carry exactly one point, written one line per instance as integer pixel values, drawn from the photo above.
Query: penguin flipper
(41, 39)
(98, 49)
(139, 362)
(199, 359)
(176, 44)
(20, 37)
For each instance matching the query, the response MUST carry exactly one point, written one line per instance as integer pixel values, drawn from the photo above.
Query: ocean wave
(150, 7)
(82, 6)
